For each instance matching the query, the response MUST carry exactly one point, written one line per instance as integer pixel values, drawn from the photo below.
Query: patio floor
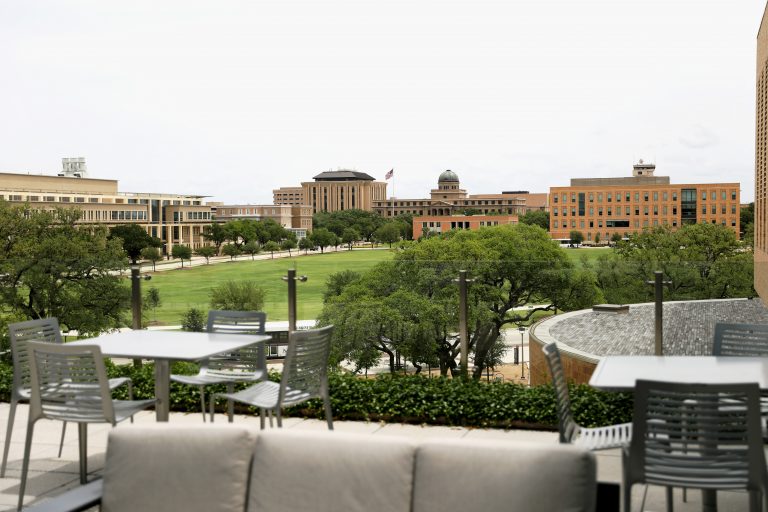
(50, 475)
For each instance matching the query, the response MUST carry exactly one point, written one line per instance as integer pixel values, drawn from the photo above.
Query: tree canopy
(49, 266)
(134, 239)
(409, 306)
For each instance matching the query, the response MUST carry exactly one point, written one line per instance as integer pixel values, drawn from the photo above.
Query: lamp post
(658, 284)
(291, 278)
(522, 352)
(136, 300)
(463, 332)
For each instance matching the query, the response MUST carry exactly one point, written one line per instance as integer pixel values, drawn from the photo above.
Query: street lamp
(522, 352)
(136, 299)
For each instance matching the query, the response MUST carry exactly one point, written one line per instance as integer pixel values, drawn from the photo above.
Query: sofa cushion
(330, 471)
(164, 468)
(466, 475)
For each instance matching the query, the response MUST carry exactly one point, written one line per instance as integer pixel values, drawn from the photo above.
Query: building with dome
(449, 199)
(334, 191)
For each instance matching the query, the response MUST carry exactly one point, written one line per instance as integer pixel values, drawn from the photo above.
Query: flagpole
(393, 195)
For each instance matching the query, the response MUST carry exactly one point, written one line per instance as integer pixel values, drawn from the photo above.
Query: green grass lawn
(190, 287)
(586, 253)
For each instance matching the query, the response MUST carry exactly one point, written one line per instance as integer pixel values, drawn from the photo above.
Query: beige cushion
(163, 468)
(467, 475)
(330, 472)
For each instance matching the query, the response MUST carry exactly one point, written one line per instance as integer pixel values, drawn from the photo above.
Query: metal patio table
(619, 373)
(166, 346)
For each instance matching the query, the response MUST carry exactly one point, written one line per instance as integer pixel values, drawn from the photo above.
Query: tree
(388, 234)
(231, 250)
(576, 237)
(151, 254)
(215, 233)
(350, 236)
(597, 238)
(193, 320)
(322, 238)
(252, 247)
(50, 266)
(206, 252)
(535, 218)
(238, 296)
(337, 281)
(134, 238)
(702, 261)
(182, 252)
(152, 300)
(615, 238)
(746, 221)
(288, 245)
(410, 305)
(271, 247)
(306, 244)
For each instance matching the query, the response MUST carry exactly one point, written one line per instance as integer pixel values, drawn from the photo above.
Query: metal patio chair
(248, 364)
(305, 376)
(69, 383)
(743, 340)
(716, 444)
(600, 438)
(45, 330)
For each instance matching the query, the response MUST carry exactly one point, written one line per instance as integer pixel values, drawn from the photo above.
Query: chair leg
(8, 432)
(261, 418)
(626, 505)
(230, 402)
(328, 412)
(25, 463)
(130, 396)
(82, 434)
(755, 501)
(670, 499)
(63, 432)
(202, 403)
(271, 424)
(213, 403)
(279, 417)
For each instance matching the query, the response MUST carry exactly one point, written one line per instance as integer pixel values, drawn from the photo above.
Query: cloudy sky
(232, 99)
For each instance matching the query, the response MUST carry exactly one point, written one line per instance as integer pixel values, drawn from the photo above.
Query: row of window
(636, 223)
(617, 210)
(610, 196)
(81, 199)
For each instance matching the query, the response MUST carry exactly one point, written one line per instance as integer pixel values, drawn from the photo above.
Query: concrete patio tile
(419, 431)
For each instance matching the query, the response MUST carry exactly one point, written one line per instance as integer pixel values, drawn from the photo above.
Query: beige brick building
(604, 206)
(295, 218)
(334, 191)
(175, 219)
(761, 161)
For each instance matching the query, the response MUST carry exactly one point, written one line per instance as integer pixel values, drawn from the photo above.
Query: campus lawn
(182, 289)
(590, 254)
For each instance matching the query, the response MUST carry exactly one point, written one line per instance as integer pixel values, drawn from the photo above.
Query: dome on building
(448, 176)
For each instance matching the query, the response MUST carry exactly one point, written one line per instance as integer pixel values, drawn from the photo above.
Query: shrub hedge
(406, 399)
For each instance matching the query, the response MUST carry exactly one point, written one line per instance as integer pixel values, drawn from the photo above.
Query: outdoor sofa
(232, 468)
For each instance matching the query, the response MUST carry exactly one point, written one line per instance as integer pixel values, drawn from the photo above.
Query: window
(608, 197)
(704, 210)
(599, 197)
(655, 209)
(733, 195)
(93, 199)
(626, 210)
(637, 196)
(627, 196)
(79, 199)
(554, 198)
(722, 210)
(645, 196)
(49, 199)
(713, 195)
(704, 195)
(655, 196)
(664, 210)
(618, 197)
(674, 212)
(34, 198)
(637, 210)
(592, 210)
(674, 196)
(64, 199)
(713, 210)
(600, 211)
(665, 195)
(645, 210)
(591, 197)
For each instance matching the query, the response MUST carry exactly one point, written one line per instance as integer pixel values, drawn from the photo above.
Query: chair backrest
(697, 435)
(45, 330)
(238, 322)
(740, 340)
(305, 368)
(567, 426)
(69, 382)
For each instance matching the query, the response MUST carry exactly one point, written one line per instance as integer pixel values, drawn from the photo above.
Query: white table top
(619, 373)
(177, 345)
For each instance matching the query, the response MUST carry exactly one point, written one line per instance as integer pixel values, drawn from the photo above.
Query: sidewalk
(49, 475)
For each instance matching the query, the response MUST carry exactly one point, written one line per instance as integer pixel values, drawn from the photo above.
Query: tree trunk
(485, 337)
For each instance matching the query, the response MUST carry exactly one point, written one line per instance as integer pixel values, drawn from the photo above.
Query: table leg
(708, 500)
(162, 388)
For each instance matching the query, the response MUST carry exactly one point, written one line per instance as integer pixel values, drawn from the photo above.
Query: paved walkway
(50, 475)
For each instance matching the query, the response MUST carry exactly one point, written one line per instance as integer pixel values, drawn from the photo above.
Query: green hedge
(407, 399)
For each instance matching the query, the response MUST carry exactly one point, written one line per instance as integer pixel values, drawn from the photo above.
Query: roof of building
(343, 175)
(688, 327)
(448, 176)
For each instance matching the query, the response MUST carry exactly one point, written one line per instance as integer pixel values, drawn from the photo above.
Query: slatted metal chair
(69, 383)
(740, 340)
(45, 330)
(305, 376)
(248, 364)
(714, 444)
(600, 438)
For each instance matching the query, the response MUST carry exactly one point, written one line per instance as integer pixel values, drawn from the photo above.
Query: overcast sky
(233, 99)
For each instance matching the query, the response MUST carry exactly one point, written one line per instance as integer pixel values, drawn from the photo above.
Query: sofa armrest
(74, 500)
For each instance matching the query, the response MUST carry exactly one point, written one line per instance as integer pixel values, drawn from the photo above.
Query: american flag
(389, 174)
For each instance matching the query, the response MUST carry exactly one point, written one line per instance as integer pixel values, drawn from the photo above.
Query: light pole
(291, 278)
(522, 352)
(136, 299)
(463, 331)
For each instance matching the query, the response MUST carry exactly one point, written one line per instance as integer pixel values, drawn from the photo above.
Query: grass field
(588, 253)
(190, 287)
